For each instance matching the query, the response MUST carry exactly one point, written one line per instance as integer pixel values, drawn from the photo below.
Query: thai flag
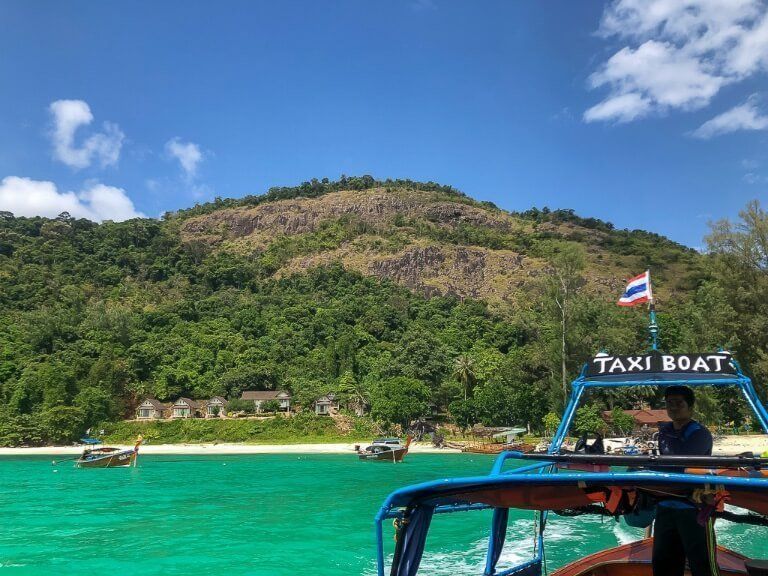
(638, 290)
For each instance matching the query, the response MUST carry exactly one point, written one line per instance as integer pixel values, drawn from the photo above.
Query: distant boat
(385, 450)
(506, 439)
(498, 448)
(108, 457)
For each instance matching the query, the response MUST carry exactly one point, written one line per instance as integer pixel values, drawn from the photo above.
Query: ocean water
(260, 515)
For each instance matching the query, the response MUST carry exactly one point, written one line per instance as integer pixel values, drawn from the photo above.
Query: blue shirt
(693, 439)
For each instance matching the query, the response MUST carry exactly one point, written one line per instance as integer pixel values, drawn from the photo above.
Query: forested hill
(375, 290)
(428, 238)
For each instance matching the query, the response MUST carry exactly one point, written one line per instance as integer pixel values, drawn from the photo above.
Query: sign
(713, 363)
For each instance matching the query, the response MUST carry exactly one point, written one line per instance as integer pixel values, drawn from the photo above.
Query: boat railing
(498, 464)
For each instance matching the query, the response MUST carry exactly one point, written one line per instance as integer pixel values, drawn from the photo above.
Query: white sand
(215, 449)
(755, 443)
(728, 445)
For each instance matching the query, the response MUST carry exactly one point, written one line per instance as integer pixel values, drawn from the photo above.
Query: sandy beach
(756, 443)
(217, 449)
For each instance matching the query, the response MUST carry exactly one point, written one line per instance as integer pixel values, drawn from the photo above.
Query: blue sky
(652, 114)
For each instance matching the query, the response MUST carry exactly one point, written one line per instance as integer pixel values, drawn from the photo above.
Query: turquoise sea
(258, 514)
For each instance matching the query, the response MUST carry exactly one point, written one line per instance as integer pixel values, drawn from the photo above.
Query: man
(677, 533)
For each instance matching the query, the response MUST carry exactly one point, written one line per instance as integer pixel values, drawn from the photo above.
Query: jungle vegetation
(93, 317)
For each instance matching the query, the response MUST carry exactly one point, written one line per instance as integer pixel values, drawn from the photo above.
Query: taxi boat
(608, 485)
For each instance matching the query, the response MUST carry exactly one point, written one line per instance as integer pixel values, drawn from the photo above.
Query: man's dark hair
(684, 391)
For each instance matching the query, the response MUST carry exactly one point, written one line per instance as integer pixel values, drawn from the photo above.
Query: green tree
(421, 356)
(400, 400)
(622, 422)
(589, 420)
(564, 282)
(551, 422)
(96, 405)
(63, 424)
(740, 266)
(463, 413)
(270, 406)
(464, 372)
(238, 405)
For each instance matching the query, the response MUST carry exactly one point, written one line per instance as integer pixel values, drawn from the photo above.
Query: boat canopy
(507, 432)
(659, 370)
(90, 441)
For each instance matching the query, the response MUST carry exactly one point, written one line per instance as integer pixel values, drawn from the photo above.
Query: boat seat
(756, 567)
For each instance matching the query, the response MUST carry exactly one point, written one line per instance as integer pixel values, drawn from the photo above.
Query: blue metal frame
(393, 506)
(581, 383)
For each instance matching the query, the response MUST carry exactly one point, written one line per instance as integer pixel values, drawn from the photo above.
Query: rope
(712, 546)
(55, 462)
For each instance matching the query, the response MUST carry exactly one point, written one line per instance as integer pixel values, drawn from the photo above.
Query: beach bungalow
(258, 397)
(643, 417)
(186, 408)
(215, 407)
(326, 405)
(151, 409)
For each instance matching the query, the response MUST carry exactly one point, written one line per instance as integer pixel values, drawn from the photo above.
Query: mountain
(384, 290)
(435, 243)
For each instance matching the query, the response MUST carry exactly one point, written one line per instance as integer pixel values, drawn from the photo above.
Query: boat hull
(634, 559)
(396, 455)
(116, 460)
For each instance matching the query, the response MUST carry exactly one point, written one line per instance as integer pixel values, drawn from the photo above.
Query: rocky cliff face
(375, 208)
(412, 238)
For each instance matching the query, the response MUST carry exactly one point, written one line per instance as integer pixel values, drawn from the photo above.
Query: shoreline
(756, 443)
(223, 448)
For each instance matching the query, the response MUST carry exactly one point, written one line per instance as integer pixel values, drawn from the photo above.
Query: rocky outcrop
(395, 236)
(437, 270)
(374, 208)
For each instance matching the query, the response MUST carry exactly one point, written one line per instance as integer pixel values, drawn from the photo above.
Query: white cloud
(746, 116)
(68, 117)
(187, 153)
(678, 54)
(622, 108)
(750, 53)
(97, 202)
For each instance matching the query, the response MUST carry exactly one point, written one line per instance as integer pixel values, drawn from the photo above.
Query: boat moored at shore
(109, 457)
(385, 450)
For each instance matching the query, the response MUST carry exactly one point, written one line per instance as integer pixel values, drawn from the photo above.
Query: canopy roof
(662, 379)
(694, 369)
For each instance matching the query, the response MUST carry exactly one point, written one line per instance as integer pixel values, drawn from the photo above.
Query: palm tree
(464, 372)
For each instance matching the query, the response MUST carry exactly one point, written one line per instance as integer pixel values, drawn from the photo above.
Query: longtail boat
(109, 457)
(498, 448)
(577, 484)
(385, 450)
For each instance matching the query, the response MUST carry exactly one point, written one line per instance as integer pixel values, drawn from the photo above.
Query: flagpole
(653, 326)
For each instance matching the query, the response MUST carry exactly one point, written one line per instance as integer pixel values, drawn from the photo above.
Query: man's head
(679, 401)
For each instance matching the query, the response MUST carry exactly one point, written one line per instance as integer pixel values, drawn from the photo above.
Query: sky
(650, 114)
